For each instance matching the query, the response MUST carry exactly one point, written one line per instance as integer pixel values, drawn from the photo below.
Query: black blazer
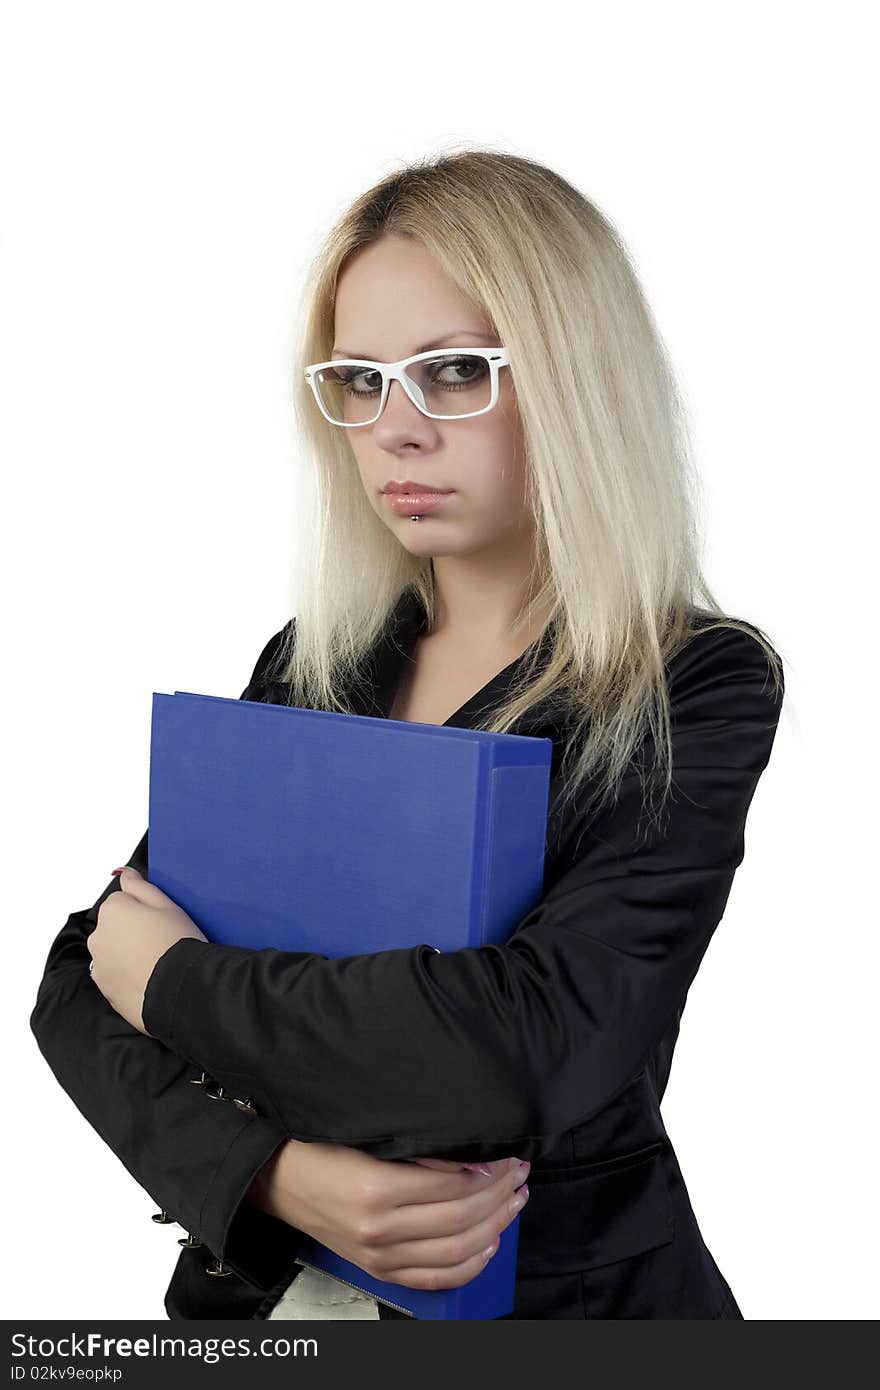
(555, 1047)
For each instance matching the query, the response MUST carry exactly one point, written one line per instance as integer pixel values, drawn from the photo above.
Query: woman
(554, 589)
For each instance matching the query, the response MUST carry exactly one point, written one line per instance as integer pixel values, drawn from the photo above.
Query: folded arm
(486, 1051)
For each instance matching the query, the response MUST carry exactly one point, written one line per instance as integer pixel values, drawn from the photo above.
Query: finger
(453, 1277)
(454, 1165)
(445, 1263)
(451, 1165)
(421, 1220)
(459, 1214)
(442, 1165)
(132, 883)
(408, 1183)
(493, 1167)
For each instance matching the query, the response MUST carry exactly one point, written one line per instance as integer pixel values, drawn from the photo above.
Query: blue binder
(307, 830)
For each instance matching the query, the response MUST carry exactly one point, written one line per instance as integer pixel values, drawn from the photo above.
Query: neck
(475, 602)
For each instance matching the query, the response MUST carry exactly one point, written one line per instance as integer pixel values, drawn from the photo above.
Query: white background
(167, 171)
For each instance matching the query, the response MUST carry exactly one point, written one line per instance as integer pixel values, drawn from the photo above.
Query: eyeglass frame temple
(394, 371)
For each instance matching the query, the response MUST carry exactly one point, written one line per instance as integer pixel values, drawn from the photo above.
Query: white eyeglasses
(445, 384)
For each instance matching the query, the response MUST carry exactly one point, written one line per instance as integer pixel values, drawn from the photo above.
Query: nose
(397, 393)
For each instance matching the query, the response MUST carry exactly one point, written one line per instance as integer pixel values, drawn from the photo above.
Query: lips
(412, 489)
(412, 503)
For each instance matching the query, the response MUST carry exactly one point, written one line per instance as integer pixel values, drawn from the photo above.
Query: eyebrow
(426, 347)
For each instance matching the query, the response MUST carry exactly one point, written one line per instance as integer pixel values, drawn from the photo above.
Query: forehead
(396, 293)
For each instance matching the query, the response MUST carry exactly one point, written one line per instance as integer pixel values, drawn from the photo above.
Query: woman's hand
(423, 1223)
(134, 928)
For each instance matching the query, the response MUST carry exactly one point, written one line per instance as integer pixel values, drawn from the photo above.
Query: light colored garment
(314, 1294)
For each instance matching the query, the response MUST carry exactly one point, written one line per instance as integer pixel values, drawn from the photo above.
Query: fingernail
(491, 1250)
(114, 872)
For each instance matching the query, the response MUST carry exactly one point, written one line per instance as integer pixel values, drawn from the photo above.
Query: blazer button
(199, 1080)
(246, 1105)
(162, 1218)
(218, 1269)
(219, 1094)
(189, 1241)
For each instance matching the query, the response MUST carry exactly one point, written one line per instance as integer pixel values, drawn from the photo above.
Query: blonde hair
(608, 462)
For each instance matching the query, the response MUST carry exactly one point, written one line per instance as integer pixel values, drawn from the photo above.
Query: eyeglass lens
(446, 384)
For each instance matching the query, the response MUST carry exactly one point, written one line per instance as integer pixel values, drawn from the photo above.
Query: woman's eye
(456, 372)
(361, 383)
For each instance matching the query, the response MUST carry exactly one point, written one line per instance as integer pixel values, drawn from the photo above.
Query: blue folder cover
(308, 830)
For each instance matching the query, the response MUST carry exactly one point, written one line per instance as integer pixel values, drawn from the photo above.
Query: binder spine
(516, 829)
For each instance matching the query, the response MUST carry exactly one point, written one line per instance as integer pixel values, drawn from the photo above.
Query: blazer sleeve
(195, 1156)
(484, 1052)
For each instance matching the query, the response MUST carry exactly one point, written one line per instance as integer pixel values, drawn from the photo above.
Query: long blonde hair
(608, 462)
